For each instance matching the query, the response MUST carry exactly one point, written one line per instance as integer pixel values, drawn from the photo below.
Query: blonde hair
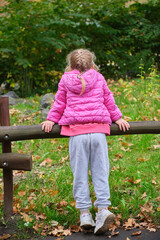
(82, 60)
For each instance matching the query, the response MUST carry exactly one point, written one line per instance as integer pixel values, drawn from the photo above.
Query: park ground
(43, 201)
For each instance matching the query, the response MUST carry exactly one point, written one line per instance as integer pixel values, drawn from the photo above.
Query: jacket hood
(74, 84)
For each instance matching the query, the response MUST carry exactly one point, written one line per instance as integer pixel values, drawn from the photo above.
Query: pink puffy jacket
(95, 105)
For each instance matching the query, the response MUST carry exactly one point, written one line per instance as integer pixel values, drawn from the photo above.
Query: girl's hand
(123, 125)
(47, 125)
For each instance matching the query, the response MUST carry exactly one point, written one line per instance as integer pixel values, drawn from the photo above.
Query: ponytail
(83, 83)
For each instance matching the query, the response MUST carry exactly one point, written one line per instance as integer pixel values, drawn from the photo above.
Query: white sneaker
(86, 221)
(103, 221)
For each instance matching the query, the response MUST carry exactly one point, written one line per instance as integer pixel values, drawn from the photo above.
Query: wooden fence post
(6, 148)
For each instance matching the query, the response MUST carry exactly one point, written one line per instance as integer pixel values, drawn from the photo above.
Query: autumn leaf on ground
(63, 203)
(73, 203)
(39, 216)
(54, 232)
(153, 181)
(65, 159)
(144, 195)
(146, 210)
(13, 111)
(22, 193)
(136, 233)
(125, 149)
(54, 223)
(53, 192)
(127, 118)
(137, 181)
(60, 231)
(151, 229)
(115, 168)
(125, 144)
(119, 155)
(67, 232)
(75, 228)
(34, 157)
(147, 207)
(36, 227)
(129, 224)
(28, 208)
(142, 159)
(47, 160)
(156, 146)
(26, 217)
(5, 236)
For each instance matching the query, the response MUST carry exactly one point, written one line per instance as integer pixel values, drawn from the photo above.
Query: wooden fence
(14, 161)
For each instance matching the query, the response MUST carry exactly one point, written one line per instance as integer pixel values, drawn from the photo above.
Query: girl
(85, 108)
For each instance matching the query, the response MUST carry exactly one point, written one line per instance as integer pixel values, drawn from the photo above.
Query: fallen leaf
(125, 149)
(153, 181)
(47, 160)
(127, 118)
(66, 232)
(53, 193)
(73, 203)
(136, 233)
(120, 139)
(151, 229)
(36, 227)
(115, 168)
(65, 159)
(130, 144)
(54, 223)
(155, 119)
(5, 236)
(22, 193)
(158, 209)
(147, 207)
(137, 181)
(75, 228)
(114, 233)
(119, 155)
(54, 232)
(141, 159)
(127, 238)
(39, 216)
(26, 217)
(156, 146)
(129, 224)
(124, 144)
(144, 195)
(63, 203)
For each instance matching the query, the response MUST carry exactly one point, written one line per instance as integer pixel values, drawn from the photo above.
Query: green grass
(132, 157)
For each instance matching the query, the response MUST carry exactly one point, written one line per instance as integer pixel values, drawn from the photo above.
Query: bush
(35, 38)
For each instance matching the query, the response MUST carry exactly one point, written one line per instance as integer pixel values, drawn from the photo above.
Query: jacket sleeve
(109, 102)
(59, 104)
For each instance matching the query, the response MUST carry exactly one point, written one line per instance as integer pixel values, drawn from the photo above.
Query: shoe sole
(106, 225)
(86, 226)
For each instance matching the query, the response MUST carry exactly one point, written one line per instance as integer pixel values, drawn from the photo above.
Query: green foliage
(35, 38)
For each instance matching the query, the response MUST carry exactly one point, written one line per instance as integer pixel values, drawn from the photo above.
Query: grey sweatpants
(84, 149)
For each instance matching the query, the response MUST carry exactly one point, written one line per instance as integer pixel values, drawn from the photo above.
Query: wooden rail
(16, 133)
